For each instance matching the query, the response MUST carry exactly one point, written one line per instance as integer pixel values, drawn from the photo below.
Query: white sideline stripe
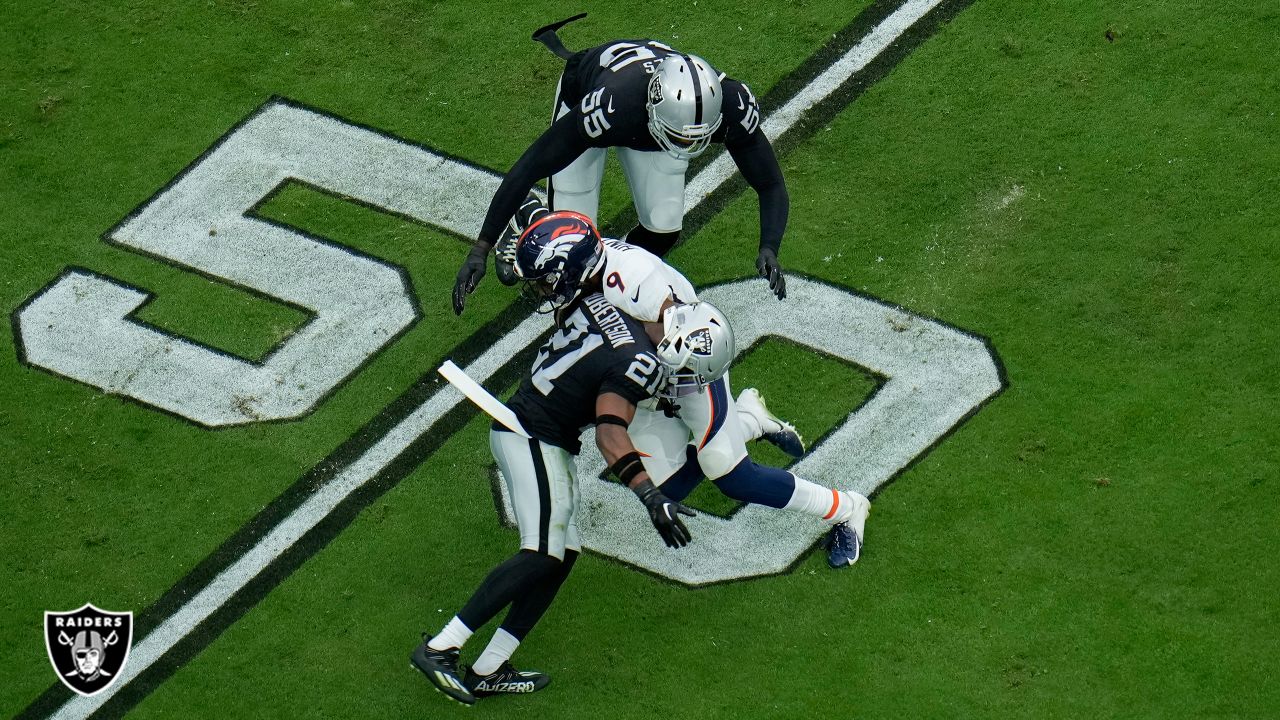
(323, 502)
(781, 120)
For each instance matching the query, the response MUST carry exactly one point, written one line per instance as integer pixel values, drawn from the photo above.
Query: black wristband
(610, 420)
(627, 467)
(629, 472)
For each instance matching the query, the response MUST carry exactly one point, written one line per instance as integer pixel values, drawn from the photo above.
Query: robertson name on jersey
(595, 350)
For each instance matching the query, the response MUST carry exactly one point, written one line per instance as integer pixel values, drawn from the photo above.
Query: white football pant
(707, 419)
(656, 180)
(543, 490)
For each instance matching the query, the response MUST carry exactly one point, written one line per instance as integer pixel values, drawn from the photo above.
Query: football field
(1034, 265)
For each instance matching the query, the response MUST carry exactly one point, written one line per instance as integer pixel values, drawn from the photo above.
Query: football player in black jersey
(594, 370)
(658, 108)
(699, 431)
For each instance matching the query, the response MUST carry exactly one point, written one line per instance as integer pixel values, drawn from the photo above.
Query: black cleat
(505, 679)
(504, 256)
(843, 546)
(441, 668)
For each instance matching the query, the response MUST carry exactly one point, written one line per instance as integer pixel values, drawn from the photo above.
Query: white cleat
(772, 428)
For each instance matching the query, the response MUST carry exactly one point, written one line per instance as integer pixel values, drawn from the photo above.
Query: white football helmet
(684, 105)
(696, 348)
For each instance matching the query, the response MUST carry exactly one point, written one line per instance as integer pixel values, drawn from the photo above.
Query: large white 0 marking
(80, 327)
(936, 376)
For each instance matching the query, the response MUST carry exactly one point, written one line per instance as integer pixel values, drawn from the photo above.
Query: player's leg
(577, 187)
(657, 189)
(541, 493)
(722, 456)
(492, 672)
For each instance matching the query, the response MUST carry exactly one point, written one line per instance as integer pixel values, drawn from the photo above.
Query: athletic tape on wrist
(645, 490)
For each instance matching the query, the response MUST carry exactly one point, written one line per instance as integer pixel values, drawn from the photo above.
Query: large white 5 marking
(80, 327)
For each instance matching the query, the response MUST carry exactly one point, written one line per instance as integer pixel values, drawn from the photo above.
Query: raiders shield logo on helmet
(88, 647)
(700, 342)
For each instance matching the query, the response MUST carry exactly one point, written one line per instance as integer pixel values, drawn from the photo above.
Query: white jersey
(638, 283)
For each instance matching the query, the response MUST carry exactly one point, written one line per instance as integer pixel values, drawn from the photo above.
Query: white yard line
(781, 120)
(326, 499)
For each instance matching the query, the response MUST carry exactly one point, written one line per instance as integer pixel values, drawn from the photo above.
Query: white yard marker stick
(476, 393)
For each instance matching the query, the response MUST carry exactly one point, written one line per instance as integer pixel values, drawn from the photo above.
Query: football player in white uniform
(657, 108)
(707, 438)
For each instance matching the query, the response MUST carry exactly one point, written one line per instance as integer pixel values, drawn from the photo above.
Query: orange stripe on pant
(711, 423)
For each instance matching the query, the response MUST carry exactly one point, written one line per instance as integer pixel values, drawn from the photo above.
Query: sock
(527, 609)
(751, 429)
(813, 499)
(454, 635)
(498, 651)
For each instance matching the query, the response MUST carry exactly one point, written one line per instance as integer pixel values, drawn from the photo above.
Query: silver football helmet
(697, 347)
(684, 105)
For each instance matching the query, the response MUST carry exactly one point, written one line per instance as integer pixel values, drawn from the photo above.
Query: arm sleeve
(759, 166)
(552, 152)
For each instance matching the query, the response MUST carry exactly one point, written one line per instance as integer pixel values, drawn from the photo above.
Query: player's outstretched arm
(759, 167)
(552, 152)
(613, 414)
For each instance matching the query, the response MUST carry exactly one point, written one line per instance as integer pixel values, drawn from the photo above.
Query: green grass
(1096, 542)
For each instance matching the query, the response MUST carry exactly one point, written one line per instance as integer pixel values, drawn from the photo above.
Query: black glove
(767, 265)
(665, 514)
(468, 275)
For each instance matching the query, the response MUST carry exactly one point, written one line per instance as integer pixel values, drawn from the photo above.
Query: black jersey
(595, 350)
(602, 103)
(607, 88)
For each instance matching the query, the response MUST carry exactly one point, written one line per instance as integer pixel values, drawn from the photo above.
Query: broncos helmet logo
(559, 245)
